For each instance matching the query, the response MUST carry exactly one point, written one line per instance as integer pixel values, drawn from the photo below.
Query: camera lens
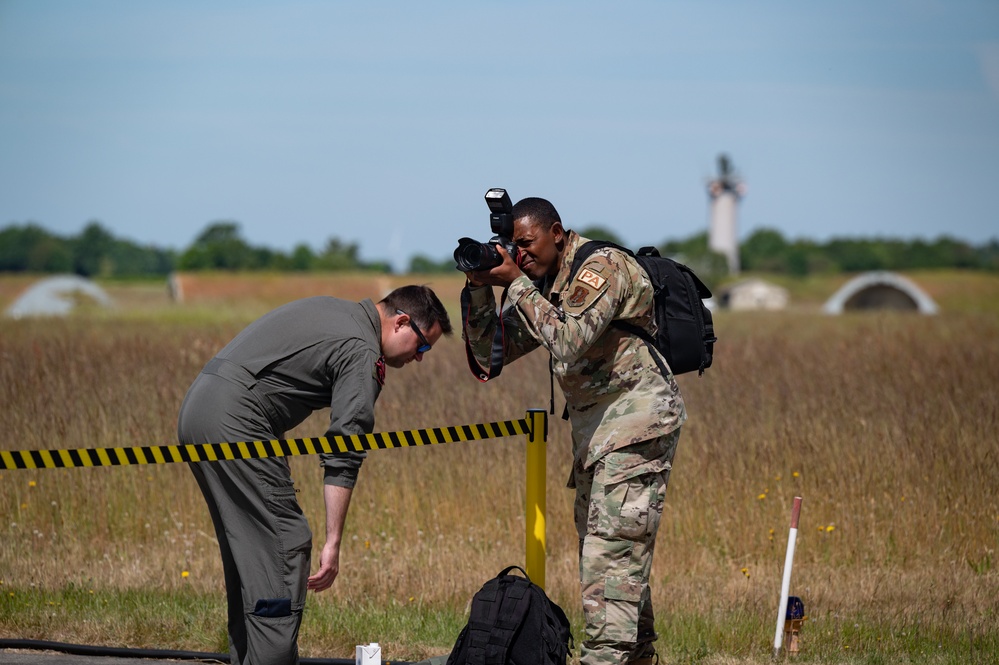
(473, 255)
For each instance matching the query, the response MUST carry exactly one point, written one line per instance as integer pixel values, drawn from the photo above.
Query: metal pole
(785, 586)
(537, 469)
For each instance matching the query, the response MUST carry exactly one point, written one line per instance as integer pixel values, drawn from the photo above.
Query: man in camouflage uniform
(626, 415)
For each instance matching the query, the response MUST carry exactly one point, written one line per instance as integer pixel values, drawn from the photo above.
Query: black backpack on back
(686, 336)
(513, 622)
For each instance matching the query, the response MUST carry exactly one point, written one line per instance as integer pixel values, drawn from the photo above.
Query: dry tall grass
(885, 424)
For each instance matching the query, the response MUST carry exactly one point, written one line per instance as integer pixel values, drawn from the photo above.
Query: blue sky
(384, 123)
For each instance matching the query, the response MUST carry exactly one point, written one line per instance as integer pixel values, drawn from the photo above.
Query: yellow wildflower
(185, 574)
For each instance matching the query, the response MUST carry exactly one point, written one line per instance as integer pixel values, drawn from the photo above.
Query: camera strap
(496, 352)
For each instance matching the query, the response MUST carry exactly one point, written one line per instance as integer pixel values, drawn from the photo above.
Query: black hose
(164, 654)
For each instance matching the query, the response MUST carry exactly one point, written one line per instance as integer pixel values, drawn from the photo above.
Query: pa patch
(587, 276)
(585, 288)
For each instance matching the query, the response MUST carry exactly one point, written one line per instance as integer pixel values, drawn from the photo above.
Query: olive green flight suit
(306, 355)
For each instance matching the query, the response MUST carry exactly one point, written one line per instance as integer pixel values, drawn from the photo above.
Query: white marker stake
(785, 585)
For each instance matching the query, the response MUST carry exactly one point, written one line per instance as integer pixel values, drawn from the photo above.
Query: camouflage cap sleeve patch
(587, 285)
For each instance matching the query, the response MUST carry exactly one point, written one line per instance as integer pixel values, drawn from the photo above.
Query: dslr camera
(474, 255)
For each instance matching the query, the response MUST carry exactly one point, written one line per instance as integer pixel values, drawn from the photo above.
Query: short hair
(540, 210)
(421, 303)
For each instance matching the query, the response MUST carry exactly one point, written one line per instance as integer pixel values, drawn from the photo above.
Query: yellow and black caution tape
(212, 452)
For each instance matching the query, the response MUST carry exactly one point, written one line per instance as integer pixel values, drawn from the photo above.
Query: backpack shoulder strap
(585, 250)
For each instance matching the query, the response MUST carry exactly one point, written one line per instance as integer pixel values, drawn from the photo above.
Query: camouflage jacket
(615, 393)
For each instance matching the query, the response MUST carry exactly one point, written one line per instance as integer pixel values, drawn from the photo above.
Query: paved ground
(32, 657)
(16, 657)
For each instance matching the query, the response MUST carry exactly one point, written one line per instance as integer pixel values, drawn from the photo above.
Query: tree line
(768, 251)
(96, 252)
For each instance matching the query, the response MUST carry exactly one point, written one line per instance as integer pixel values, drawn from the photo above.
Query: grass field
(884, 423)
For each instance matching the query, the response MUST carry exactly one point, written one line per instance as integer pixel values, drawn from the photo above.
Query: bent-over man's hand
(329, 567)
(337, 499)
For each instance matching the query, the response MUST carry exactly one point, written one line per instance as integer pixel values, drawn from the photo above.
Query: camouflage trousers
(618, 507)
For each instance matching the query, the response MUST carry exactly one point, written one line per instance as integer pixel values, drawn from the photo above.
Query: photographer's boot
(648, 657)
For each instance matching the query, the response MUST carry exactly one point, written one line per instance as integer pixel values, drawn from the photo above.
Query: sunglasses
(424, 344)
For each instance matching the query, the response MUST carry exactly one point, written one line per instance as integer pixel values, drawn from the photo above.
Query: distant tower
(725, 192)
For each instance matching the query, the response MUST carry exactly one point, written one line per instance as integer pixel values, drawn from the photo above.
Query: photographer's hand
(501, 275)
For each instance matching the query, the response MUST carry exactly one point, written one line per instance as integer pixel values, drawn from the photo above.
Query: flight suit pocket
(273, 639)
(295, 537)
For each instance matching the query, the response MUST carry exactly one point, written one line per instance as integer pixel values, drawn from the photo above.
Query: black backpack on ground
(512, 622)
(686, 336)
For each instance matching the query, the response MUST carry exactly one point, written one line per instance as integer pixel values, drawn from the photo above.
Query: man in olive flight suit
(306, 355)
(625, 414)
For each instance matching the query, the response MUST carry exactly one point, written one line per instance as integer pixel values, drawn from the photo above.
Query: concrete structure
(880, 290)
(754, 294)
(725, 192)
(57, 296)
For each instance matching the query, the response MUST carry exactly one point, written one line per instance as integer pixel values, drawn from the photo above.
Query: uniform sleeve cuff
(519, 288)
(341, 470)
(340, 477)
(480, 295)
